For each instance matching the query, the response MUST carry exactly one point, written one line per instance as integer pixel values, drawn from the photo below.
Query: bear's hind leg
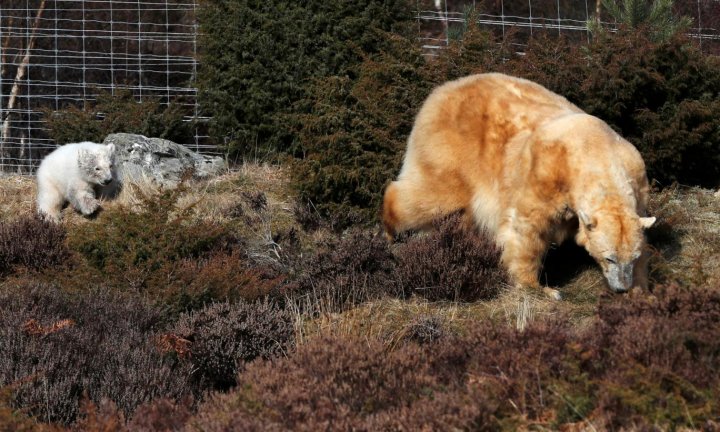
(413, 205)
(50, 204)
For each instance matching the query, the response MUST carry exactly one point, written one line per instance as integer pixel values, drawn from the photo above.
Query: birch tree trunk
(18, 77)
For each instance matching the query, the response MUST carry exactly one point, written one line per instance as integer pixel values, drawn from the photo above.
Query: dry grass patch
(225, 200)
(687, 236)
(17, 196)
(393, 320)
(212, 199)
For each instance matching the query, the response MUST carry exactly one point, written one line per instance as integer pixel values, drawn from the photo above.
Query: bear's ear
(111, 148)
(86, 159)
(647, 222)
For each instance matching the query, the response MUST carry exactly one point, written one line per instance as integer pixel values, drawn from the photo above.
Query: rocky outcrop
(162, 161)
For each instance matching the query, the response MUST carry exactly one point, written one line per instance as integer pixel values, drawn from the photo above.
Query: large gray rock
(160, 160)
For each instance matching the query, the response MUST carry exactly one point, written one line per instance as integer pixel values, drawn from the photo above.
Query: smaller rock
(138, 158)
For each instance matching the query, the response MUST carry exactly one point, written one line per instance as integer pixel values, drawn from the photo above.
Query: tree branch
(18, 77)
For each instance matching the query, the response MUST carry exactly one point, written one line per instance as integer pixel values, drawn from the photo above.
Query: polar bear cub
(75, 174)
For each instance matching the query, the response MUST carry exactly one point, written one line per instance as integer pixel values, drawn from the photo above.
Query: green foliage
(139, 242)
(259, 57)
(118, 113)
(353, 139)
(158, 250)
(190, 284)
(660, 96)
(657, 17)
(681, 141)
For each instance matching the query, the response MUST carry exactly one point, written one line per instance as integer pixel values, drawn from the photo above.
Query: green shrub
(162, 252)
(191, 283)
(119, 113)
(658, 95)
(352, 141)
(140, 242)
(661, 96)
(259, 57)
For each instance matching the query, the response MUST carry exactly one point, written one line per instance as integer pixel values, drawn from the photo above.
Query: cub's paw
(88, 206)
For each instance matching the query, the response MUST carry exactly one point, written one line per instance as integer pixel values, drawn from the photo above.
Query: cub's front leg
(83, 199)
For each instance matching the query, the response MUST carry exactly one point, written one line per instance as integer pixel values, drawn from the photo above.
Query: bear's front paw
(552, 293)
(89, 206)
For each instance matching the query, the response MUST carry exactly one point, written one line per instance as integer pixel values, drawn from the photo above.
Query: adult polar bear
(75, 173)
(531, 168)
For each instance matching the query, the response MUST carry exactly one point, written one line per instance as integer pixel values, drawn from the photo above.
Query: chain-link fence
(440, 20)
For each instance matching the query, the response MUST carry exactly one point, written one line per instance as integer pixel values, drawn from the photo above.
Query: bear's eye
(97, 168)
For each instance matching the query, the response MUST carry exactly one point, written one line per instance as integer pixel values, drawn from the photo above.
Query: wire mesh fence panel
(440, 21)
(56, 54)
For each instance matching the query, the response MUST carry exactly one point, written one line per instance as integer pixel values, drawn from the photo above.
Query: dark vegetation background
(338, 98)
(247, 303)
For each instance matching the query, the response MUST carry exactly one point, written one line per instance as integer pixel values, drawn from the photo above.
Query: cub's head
(615, 238)
(97, 165)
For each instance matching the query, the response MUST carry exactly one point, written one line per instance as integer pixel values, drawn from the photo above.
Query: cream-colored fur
(76, 174)
(529, 167)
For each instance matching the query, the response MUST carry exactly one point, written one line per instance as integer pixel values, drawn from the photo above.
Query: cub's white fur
(75, 174)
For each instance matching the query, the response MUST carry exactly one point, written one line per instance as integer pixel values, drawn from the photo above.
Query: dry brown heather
(686, 242)
(338, 289)
(686, 249)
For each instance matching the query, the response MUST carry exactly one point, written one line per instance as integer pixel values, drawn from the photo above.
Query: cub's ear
(111, 148)
(647, 222)
(586, 220)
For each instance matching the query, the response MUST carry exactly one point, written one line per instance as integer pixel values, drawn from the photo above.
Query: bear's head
(614, 236)
(97, 165)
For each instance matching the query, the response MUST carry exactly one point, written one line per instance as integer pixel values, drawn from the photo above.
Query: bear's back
(62, 163)
(480, 103)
